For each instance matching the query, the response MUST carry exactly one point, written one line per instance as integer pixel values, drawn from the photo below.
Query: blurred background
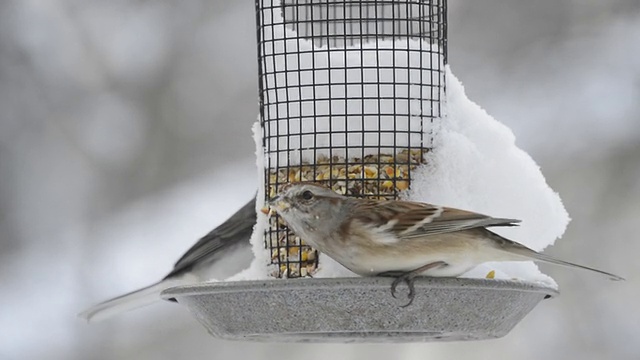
(125, 135)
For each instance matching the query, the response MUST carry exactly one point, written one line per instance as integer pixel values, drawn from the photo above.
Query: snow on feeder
(347, 90)
(352, 96)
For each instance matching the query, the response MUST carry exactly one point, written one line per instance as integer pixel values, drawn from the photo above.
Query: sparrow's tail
(126, 302)
(552, 260)
(524, 252)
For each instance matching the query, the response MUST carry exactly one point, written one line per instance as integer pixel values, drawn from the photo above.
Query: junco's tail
(130, 301)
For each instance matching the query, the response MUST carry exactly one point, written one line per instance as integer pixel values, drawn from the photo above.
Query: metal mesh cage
(348, 92)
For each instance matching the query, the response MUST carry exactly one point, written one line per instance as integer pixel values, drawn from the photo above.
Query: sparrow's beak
(278, 203)
(273, 200)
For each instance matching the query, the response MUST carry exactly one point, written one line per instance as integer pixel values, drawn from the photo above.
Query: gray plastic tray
(359, 309)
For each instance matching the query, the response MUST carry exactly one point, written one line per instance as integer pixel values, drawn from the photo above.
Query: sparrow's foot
(409, 278)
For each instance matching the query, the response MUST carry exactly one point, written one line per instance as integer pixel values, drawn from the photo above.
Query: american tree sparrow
(223, 252)
(399, 238)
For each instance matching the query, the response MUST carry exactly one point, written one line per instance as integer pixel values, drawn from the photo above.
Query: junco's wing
(410, 219)
(235, 231)
(238, 228)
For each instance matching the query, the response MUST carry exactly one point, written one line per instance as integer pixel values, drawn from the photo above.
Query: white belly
(457, 262)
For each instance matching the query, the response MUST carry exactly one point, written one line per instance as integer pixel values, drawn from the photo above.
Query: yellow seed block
(389, 170)
(402, 185)
(370, 172)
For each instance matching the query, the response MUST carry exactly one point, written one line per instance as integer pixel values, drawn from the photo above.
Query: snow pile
(357, 93)
(476, 165)
(261, 266)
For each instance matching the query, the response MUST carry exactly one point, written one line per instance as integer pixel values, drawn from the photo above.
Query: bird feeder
(349, 92)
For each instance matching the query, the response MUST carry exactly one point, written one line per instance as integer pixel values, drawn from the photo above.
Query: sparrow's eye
(307, 195)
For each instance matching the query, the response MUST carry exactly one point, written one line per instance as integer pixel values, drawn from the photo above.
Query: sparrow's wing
(238, 228)
(411, 219)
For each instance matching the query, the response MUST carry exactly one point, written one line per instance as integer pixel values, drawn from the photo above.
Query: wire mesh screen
(349, 91)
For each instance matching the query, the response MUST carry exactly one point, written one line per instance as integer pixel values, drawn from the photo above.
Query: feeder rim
(355, 282)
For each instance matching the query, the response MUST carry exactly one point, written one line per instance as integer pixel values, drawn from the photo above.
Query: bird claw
(406, 277)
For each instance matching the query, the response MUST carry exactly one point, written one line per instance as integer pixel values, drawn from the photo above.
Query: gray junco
(399, 238)
(223, 252)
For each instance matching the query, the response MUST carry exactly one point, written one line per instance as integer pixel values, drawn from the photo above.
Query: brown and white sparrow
(221, 253)
(399, 238)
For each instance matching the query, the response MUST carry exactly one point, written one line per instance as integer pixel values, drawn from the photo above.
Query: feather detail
(520, 250)
(408, 219)
(238, 228)
(130, 301)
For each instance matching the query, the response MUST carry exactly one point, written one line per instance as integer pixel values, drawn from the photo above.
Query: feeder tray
(350, 310)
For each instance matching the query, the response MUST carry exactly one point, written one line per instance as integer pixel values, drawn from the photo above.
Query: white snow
(329, 268)
(261, 264)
